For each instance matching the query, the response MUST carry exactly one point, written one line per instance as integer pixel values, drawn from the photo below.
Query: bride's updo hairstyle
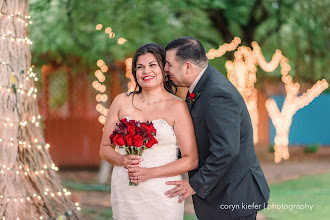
(159, 52)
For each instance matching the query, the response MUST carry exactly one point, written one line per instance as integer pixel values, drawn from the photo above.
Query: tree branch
(277, 28)
(221, 23)
(71, 24)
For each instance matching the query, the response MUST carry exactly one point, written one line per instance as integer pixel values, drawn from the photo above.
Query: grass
(107, 214)
(306, 190)
(85, 187)
(311, 190)
(98, 215)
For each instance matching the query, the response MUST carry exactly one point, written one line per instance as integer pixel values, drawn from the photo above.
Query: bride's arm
(184, 131)
(107, 150)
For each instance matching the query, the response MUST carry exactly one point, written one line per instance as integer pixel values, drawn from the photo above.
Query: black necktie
(187, 97)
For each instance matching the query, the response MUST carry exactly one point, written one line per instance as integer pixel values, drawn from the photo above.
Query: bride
(153, 101)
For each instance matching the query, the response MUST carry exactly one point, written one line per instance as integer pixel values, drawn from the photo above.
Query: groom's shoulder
(215, 77)
(219, 84)
(221, 90)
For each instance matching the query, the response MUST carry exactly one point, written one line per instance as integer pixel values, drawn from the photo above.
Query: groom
(229, 182)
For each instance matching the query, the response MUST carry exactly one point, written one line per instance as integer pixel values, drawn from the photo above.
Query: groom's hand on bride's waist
(182, 188)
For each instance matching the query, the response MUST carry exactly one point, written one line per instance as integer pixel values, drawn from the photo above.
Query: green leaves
(65, 30)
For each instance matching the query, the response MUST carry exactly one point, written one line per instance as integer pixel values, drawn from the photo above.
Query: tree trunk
(30, 188)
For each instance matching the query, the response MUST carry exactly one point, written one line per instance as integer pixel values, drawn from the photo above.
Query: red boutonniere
(192, 97)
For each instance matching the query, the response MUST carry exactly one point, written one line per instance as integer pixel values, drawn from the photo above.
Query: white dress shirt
(194, 84)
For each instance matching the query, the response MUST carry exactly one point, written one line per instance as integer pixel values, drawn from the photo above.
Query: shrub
(311, 149)
(271, 148)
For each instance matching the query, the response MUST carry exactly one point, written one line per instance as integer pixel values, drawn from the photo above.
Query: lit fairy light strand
(110, 33)
(121, 40)
(99, 86)
(25, 170)
(31, 92)
(29, 198)
(214, 53)
(131, 84)
(16, 39)
(25, 144)
(282, 120)
(34, 120)
(242, 73)
(18, 17)
(3, 63)
(31, 74)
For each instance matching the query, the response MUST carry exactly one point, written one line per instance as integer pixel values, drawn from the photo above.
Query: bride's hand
(138, 174)
(127, 160)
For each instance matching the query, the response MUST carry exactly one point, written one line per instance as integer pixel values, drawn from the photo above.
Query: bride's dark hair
(159, 52)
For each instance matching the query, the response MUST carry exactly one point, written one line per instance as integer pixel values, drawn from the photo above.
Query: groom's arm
(223, 123)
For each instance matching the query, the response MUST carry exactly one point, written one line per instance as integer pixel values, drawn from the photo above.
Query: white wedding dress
(147, 201)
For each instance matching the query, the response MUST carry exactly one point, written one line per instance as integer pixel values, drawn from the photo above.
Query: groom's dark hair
(188, 48)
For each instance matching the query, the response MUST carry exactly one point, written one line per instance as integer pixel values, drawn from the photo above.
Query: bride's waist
(156, 157)
(120, 175)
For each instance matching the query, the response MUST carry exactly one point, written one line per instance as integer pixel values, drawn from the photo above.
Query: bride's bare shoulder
(123, 97)
(176, 102)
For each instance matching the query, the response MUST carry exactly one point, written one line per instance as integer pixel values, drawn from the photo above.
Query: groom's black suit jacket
(229, 182)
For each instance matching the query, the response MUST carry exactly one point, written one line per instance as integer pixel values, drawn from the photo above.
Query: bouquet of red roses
(134, 136)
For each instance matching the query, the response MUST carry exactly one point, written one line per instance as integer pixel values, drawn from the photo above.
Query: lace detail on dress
(147, 200)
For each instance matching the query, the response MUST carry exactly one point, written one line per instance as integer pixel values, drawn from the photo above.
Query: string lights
(282, 119)
(131, 84)
(17, 17)
(121, 40)
(26, 166)
(214, 53)
(110, 33)
(37, 196)
(32, 92)
(99, 84)
(242, 73)
(26, 170)
(34, 120)
(16, 39)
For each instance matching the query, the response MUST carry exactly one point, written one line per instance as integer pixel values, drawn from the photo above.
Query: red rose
(149, 127)
(138, 140)
(112, 136)
(137, 130)
(152, 129)
(131, 129)
(123, 121)
(119, 140)
(192, 96)
(129, 140)
(151, 142)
